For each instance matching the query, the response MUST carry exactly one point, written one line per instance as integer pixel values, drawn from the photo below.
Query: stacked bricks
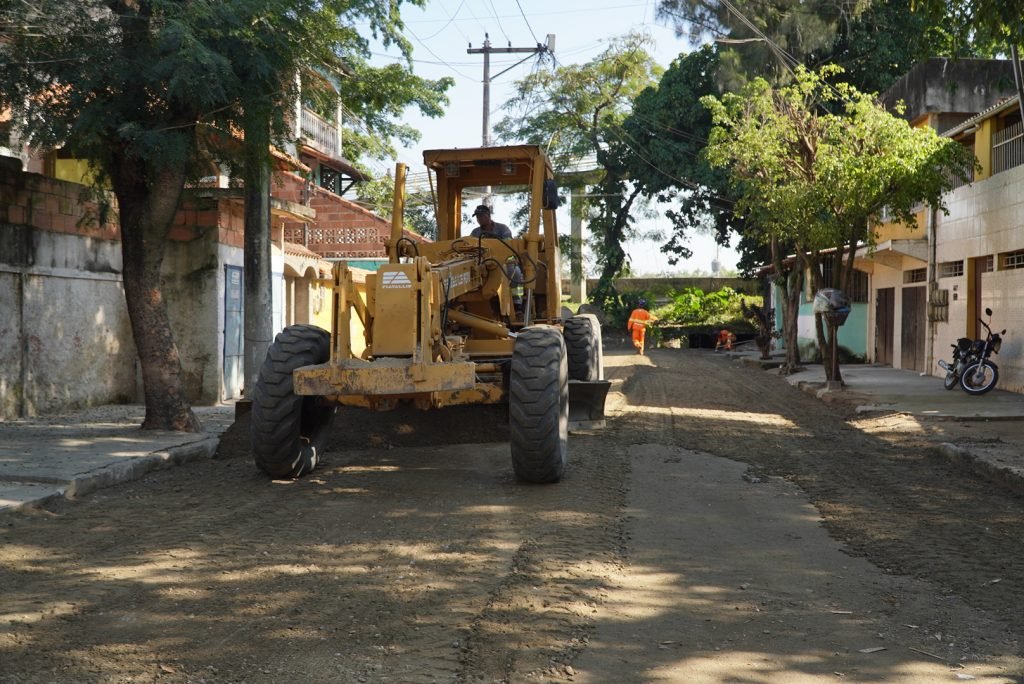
(29, 199)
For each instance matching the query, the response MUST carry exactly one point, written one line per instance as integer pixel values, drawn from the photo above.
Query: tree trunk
(792, 289)
(147, 202)
(258, 303)
(611, 254)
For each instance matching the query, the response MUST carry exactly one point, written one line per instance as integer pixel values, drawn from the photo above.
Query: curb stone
(1006, 476)
(119, 473)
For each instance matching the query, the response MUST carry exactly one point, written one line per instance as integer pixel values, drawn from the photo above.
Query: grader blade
(586, 403)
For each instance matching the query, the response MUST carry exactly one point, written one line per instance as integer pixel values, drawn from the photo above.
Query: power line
(683, 181)
(451, 19)
(500, 27)
(427, 48)
(532, 34)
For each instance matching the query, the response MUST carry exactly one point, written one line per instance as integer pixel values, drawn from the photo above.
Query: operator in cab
(488, 228)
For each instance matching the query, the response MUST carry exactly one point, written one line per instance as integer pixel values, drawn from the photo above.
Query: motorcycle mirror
(988, 311)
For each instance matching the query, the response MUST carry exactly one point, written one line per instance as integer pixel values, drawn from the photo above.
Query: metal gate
(913, 329)
(234, 340)
(885, 318)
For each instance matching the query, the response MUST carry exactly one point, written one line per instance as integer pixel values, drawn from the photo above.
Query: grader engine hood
(395, 310)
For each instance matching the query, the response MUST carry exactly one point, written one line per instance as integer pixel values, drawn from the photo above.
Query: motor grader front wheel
(287, 429)
(539, 405)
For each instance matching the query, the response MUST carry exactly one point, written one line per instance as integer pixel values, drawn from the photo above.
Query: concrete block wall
(342, 228)
(193, 289)
(65, 339)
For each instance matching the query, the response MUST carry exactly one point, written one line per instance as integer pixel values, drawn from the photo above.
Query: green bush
(689, 308)
(693, 307)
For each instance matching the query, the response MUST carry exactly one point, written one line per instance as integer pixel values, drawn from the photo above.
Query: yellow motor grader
(462, 320)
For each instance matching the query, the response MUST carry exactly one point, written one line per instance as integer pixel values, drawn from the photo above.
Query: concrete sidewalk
(881, 389)
(73, 454)
(997, 454)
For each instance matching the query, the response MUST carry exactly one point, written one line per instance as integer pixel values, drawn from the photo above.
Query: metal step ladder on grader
(438, 326)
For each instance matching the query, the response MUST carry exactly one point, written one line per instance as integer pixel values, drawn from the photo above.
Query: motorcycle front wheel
(951, 380)
(979, 377)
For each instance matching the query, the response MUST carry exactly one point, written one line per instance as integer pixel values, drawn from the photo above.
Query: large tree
(815, 164)
(141, 88)
(759, 38)
(576, 111)
(876, 41)
(663, 144)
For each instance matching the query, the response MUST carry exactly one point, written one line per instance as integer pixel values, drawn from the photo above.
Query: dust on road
(684, 544)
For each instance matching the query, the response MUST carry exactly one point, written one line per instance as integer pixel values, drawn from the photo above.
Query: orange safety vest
(638, 320)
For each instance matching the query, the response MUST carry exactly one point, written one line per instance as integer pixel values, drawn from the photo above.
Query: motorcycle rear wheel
(979, 377)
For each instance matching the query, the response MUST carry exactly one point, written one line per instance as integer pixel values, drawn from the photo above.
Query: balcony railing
(319, 134)
(1007, 148)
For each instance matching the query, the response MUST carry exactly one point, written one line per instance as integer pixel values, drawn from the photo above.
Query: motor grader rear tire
(287, 429)
(583, 346)
(539, 405)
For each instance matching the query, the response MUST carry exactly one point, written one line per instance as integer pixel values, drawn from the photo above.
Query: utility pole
(487, 50)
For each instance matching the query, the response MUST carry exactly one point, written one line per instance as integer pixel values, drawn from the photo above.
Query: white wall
(986, 218)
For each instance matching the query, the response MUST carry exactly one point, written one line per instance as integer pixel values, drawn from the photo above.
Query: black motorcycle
(972, 367)
(962, 357)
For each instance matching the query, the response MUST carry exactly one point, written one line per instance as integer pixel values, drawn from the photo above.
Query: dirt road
(724, 528)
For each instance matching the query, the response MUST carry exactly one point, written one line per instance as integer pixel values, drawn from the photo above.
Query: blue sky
(441, 33)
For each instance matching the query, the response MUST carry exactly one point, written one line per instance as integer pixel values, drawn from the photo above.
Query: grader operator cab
(439, 326)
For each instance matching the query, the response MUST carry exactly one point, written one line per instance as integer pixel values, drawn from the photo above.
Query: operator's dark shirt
(498, 230)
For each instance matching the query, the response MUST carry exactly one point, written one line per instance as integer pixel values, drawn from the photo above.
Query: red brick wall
(199, 216)
(341, 228)
(28, 199)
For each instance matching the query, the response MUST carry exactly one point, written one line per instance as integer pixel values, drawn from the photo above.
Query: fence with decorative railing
(319, 133)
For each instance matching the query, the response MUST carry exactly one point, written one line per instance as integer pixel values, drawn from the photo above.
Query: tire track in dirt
(901, 507)
(542, 611)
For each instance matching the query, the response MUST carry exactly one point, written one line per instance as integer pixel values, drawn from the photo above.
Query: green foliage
(814, 163)
(666, 134)
(876, 41)
(576, 112)
(885, 41)
(763, 321)
(163, 81)
(979, 26)
(692, 306)
(795, 29)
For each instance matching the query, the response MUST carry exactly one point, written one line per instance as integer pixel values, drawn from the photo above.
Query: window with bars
(951, 269)
(1011, 260)
(917, 275)
(988, 264)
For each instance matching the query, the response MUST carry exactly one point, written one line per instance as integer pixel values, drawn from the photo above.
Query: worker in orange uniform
(637, 325)
(724, 340)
